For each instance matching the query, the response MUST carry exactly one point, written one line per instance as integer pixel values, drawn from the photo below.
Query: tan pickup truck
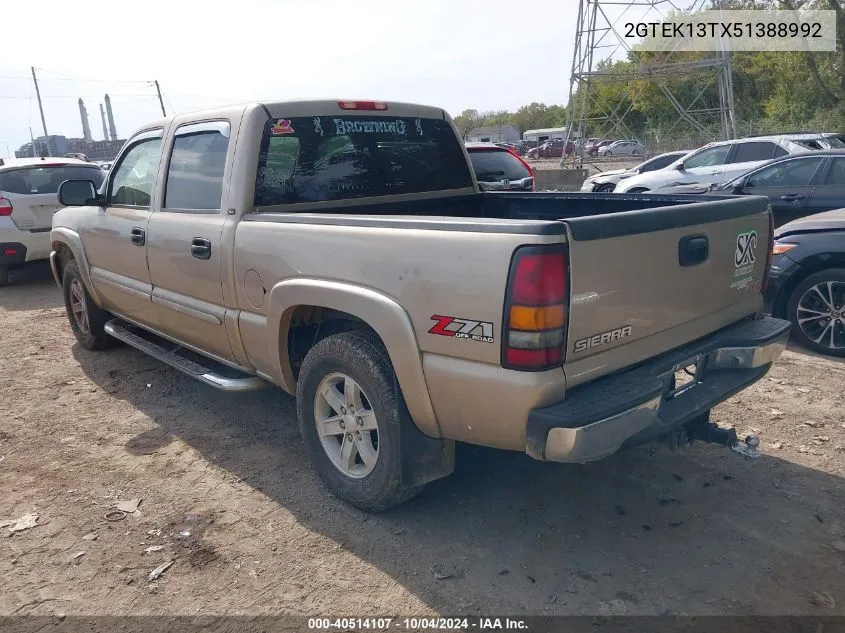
(342, 251)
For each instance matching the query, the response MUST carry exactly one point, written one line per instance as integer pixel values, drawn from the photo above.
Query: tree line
(773, 91)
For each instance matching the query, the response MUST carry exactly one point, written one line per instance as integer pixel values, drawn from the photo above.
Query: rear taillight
(5, 207)
(529, 186)
(534, 329)
(770, 245)
(362, 105)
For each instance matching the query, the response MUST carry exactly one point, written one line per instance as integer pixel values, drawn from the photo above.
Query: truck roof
(309, 107)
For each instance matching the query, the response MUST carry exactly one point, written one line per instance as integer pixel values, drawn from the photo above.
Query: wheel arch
(329, 307)
(809, 266)
(67, 246)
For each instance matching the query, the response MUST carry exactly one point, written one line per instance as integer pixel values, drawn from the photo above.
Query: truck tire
(355, 452)
(87, 319)
(819, 301)
(4, 275)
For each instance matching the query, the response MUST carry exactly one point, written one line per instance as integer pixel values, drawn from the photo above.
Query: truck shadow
(700, 532)
(31, 288)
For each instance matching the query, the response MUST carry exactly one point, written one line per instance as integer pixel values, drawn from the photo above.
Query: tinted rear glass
(313, 159)
(496, 165)
(660, 162)
(36, 180)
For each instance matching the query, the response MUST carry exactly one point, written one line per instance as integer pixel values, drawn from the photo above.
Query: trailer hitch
(714, 434)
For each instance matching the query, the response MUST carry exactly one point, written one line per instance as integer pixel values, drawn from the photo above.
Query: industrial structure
(599, 38)
(56, 145)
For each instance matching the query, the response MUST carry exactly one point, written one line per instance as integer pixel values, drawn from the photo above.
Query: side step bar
(204, 369)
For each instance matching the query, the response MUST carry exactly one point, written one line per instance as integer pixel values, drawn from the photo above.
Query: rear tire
(358, 457)
(87, 319)
(608, 153)
(635, 153)
(4, 276)
(817, 308)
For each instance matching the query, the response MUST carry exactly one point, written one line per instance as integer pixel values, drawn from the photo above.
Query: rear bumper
(36, 244)
(629, 408)
(12, 254)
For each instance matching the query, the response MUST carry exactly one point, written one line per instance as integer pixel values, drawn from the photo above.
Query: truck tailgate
(643, 282)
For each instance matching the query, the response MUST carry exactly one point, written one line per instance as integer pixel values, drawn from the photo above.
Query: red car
(499, 169)
(551, 149)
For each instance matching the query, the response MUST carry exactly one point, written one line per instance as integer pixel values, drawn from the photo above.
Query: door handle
(201, 248)
(693, 249)
(138, 236)
(791, 197)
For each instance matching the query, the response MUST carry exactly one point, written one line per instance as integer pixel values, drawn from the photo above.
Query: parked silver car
(622, 148)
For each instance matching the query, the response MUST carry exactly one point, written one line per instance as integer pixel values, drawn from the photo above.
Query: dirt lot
(226, 492)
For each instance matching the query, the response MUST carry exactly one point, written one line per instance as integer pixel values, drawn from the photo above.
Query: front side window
(789, 173)
(708, 157)
(658, 163)
(132, 183)
(197, 163)
(329, 158)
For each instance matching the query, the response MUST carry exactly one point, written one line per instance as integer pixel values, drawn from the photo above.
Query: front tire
(352, 415)
(635, 153)
(817, 310)
(605, 188)
(87, 319)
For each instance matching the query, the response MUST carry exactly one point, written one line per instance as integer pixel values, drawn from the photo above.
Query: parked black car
(798, 185)
(807, 280)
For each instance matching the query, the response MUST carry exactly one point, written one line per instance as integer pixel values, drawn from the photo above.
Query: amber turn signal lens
(781, 247)
(536, 317)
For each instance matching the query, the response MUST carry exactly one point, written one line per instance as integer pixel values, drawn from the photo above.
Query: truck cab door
(184, 240)
(114, 236)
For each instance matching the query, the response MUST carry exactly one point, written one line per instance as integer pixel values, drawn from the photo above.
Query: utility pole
(160, 100)
(41, 109)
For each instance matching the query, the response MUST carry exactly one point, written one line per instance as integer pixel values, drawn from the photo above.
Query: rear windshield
(313, 159)
(496, 165)
(34, 180)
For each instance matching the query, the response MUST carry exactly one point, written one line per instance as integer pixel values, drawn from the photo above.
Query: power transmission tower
(599, 37)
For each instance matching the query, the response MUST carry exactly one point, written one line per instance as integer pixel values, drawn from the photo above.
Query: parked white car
(622, 148)
(606, 181)
(717, 162)
(28, 200)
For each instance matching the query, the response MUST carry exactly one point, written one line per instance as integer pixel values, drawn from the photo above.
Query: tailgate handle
(693, 249)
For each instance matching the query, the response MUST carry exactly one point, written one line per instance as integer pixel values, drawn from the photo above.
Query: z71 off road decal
(744, 258)
(462, 328)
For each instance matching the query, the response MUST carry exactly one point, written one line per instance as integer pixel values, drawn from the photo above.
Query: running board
(204, 369)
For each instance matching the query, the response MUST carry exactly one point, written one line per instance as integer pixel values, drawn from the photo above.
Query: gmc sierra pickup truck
(343, 251)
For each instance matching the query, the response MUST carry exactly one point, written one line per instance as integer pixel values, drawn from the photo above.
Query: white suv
(721, 161)
(28, 201)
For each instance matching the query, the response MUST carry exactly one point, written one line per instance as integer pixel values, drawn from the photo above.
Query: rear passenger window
(756, 150)
(197, 163)
(836, 176)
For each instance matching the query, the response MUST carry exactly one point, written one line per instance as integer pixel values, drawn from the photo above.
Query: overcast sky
(455, 54)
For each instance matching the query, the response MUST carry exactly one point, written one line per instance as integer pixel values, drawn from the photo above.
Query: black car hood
(829, 220)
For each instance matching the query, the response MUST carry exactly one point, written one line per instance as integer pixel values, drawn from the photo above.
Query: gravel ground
(226, 494)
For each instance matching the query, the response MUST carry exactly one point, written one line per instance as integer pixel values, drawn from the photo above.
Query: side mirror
(77, 193)
(680, 167)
